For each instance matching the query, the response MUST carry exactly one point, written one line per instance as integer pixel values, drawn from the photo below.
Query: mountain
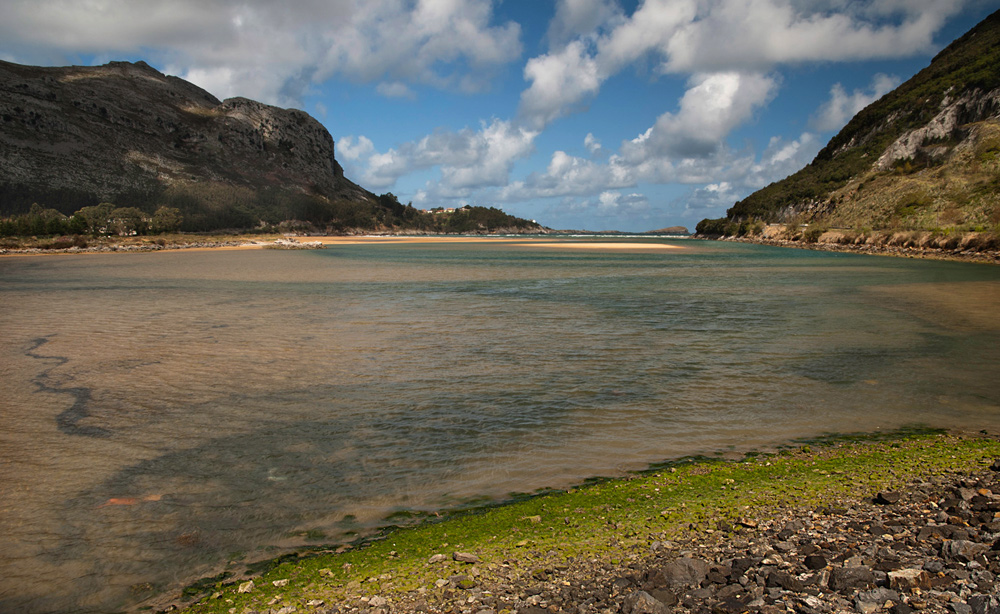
(925, 157)
(126, 134)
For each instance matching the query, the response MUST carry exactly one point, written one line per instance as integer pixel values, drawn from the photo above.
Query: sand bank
(304, 243)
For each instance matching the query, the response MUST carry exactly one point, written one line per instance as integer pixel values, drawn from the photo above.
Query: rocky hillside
(925, 157)
(127, 134)
(74, 137)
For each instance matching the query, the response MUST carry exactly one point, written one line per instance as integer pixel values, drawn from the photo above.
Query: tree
(97, 217)
(167, 219)
(127, 221)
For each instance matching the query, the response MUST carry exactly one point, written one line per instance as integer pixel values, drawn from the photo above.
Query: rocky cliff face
(122, 130)
(952, 125)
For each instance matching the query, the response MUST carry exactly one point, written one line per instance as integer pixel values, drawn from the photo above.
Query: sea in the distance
(163, 413)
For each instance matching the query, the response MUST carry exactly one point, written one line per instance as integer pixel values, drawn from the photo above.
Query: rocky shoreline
(902, 249)
(929, 545)
(158, 247)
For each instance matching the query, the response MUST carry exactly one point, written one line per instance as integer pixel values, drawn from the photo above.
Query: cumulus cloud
(712, 196)
(468, 158)
(683, 36)
(710, 109)
(351, 148)
(559, 80)
(763, 33)
(568, 175)
(841, 106)
(271, 51)
(575, 18)
(616, 204)
(592, 144)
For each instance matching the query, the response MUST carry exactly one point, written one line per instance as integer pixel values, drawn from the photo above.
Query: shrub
(813, 233)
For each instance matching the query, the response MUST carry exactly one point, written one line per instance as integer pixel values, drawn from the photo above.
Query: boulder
(641, 602)
(909, 579)
(887, 498)
(680, 573)
(846, 579)
(961, 550)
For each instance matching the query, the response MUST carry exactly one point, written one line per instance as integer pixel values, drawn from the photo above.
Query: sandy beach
(546, 242)
(246, 243)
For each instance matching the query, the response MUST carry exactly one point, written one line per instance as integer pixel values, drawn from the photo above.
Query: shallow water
(166, 412)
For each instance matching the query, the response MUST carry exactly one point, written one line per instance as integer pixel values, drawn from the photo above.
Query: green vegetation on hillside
(970, 66)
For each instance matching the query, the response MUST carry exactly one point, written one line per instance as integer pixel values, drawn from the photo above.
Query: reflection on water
(164, 412)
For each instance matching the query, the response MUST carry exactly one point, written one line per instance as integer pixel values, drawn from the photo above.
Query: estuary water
(163, 413)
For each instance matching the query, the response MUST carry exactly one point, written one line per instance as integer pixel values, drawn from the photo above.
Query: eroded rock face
(126, 128)
(972, 107)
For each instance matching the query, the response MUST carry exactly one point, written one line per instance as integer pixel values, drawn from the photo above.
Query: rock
(984, 604)
(909, 579)
(996, 465)
(730, 605)
(641, 602)
(679, 573)
(879, 595)
(740, 566)
(664, 596)
(961, 550)
(437, 558)
(785, 581)
(246, 587)
(465, 557)
(887, 498)
(815, 561)
(280, 583)
(845, 579)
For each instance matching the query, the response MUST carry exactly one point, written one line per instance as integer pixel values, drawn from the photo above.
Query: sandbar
(519, 241)
(289, 243)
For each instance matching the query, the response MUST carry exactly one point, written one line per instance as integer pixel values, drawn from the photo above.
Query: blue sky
(587, 114)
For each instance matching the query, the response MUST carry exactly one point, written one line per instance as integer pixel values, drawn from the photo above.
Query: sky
(627, 115)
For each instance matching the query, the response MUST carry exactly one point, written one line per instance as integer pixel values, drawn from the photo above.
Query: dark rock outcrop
(122, 131)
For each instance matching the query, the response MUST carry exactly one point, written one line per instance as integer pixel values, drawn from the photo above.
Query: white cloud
(841, 106)
(580, 17)
(616, 204)
(592, 144)
(713, 196)
(395, 89)
(714, 36)
(273, 51)
(468, 159)
(559, 81)
(568, 175)
(710, 109)
(780, 159)
(762, 33)
(348, 149)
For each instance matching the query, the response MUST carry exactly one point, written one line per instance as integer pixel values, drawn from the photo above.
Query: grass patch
(611, 520)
